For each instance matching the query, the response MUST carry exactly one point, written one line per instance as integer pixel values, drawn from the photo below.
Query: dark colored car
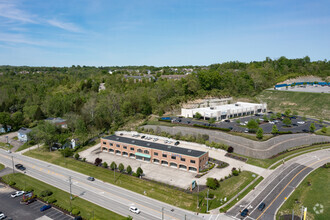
(78, 218)
(227, 120)
(30, 201)
(143, 137)
(20, 167)
(305, 130)
(261, 206)
(45, 207)
(244, 213)
(177, 143)
(90, 178)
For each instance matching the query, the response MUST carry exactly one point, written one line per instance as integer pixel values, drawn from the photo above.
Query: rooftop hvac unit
(189, 151)
(117, 138)
(148, 144)
(237, 104)
(133, 141)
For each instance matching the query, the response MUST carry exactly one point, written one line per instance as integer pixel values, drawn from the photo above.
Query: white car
(301, 122)
(271, 122)
(134, 209)
(16, 194)
(2, 216)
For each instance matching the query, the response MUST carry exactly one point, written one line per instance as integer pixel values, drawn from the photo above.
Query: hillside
(316, 105)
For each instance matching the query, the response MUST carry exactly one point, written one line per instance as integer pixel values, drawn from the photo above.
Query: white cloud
(64, 25)
(9, 10)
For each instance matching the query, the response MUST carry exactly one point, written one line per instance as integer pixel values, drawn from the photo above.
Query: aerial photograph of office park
(164, 110)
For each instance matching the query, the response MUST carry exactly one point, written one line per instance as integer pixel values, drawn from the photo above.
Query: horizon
(105, 33)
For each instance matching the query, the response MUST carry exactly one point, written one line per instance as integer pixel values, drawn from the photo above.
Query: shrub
(198, 115)
(260, 133)
(129, 169)
(121, 167)
(46, 193)
(135, 174)
(84, 159)
(213, 128)
(97, 161)
(76, 156)
(67, 152)
(211, 195)
(139, 171)
(113, 165)
(12, 183)
(212, 183)
(230, 150)
(324, 130)
(312, 127)
(235, 172)
(252, 125)
(105, 165)
(274, 130)
(75, 212)
(51, 200)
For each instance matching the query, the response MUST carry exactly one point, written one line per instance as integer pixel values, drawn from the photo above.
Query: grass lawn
(309, 196)
(228, 188)
(265, 163)
(155, 190)
(279, 101)
(86, 208)
(253, 136)
(321, 133)
(24, 146)
(5, 146)
(2, 166)
(232, 203)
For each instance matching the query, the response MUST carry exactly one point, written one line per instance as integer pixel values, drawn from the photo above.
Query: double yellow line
(288, 185)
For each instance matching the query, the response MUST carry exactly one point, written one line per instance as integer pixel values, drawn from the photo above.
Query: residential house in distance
(3, 129)
(101, 87)
(22, 134)
(174, 77)
(139, 78)
(58, 122)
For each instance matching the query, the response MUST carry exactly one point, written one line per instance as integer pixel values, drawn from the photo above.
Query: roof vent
(168, 146)
(117, 138)
(148, 144)
(189, 151)
(133, 141)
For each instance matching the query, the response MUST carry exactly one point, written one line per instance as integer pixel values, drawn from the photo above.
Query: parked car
(245, 212)
(20, 167)
(16, 194)
(271, 122)
(177, 143)
(301, 122)
(143, 137)
(30, 201)
(261, 206)
(155, 139)
(90, 178)
(2, 215)
(305, 130)
(227, 120)
(45, 207)
(134, 209)
(78, 218)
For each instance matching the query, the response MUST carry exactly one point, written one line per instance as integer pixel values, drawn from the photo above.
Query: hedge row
(213, 128)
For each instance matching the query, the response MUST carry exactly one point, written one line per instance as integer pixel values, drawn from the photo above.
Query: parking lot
(12, 208)
(298, 125)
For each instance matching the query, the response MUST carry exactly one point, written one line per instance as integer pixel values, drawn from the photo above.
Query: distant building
(102, 87)
(174, 77)
(22, 134)
(3, 130)
(226, 111)
(140, 78)
(58, 122)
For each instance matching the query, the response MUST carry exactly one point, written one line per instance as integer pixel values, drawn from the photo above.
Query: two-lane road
(278, 186)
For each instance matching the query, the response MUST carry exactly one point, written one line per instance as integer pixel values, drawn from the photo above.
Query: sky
(161, 32)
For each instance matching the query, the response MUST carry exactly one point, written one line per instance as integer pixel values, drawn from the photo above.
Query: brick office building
(166, 155)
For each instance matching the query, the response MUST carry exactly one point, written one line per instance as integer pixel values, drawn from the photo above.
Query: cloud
(9, 10)
(64, 25)
(22, 39)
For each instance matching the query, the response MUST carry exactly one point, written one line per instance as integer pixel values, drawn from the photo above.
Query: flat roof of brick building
(157, 146)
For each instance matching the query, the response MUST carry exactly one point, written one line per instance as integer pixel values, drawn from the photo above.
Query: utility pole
(162, 213)
(197, 196)
(12, 160)
(292, 214)
(70, 193)
(207, 201)
(302, 212)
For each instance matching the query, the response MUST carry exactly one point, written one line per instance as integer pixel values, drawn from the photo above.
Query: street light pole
(197, 196)
(162, 213)
(70, 194)
(207, 201)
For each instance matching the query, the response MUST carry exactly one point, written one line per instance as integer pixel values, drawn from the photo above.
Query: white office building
(226, 111)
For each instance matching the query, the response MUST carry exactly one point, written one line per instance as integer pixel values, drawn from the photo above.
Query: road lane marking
(289, 183)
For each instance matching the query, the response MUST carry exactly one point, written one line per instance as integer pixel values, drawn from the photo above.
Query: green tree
(272, 117)
(77, 156)
(212, 183)
(121, 167)
(105, 164)
(198, 115)
(266, 119)
(287, 112)
(113, 165)
(324, 129)
(212, 120)
(17, 119)
(274, 130)
(287, 121)
(139, 171)
(278, 115)
(129, 169)
(260, 133)
(66, 152)
(38, 115)
(252, 125)
(5, 119)
(46, 132)
(295, 113)
(312, 127)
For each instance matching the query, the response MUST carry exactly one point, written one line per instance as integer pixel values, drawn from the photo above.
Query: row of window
(155, 153)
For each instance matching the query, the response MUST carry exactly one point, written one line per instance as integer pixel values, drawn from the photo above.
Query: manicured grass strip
(2, 166)
(321, 133)
(252, 137)
(162, 192)
(228, 189)
(5, 146)
(308, 196)
(232, 203)
(265, 163)
(24, 146)
(63, 198)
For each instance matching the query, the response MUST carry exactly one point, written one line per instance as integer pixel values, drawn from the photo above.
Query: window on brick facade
(132, 148)
(111, 144)
(192, 161)
(117, 145)
(173, 157)
(183, 159)
(146, 151)
(125, 147)
(104, 142)
(164, 155)
(155, 153)
(139, 150)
